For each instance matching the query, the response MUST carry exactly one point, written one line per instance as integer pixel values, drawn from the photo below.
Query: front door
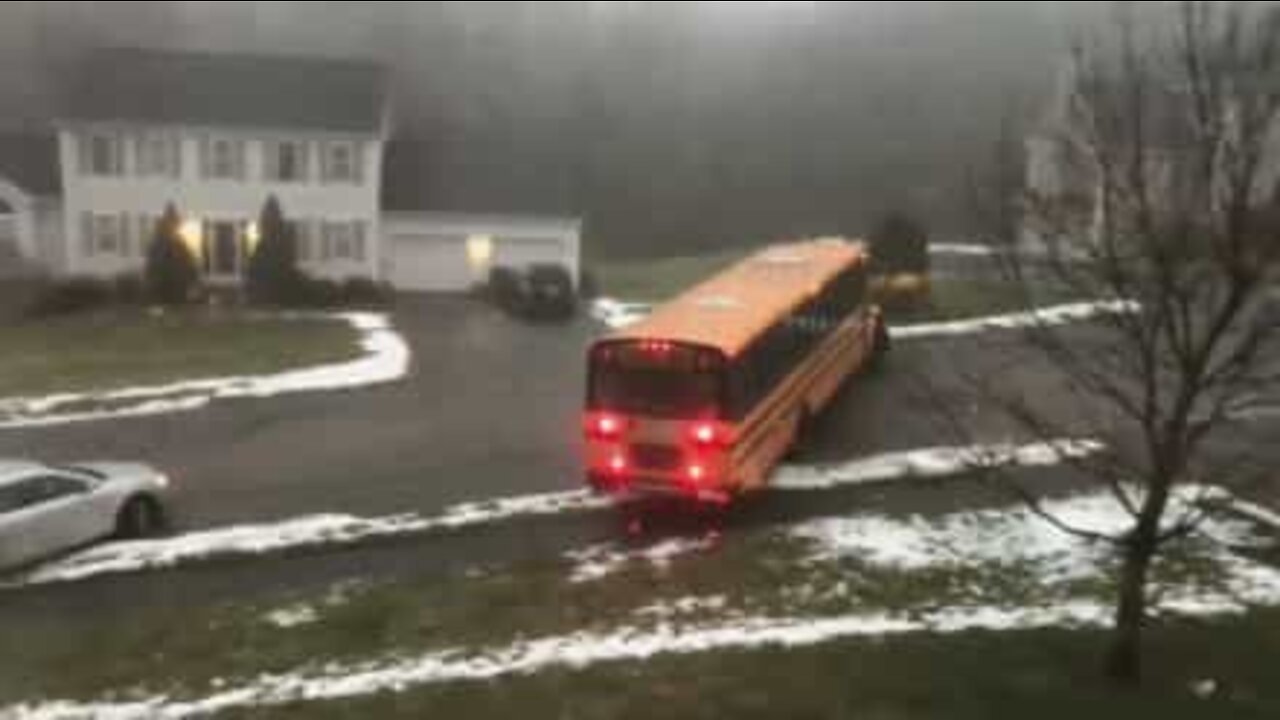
(222, 252)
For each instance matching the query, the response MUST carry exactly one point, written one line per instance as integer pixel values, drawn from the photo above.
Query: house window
(223, 159)
(106, 235)
(342, 162)
(302, 243)
(159, 155)
(345, 241)
(287, 161)
(102, 155)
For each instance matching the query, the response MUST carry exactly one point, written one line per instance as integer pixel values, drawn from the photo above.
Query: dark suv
(538, 292)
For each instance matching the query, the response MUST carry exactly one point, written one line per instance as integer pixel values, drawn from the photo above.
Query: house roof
(31, 162)
(240, 91)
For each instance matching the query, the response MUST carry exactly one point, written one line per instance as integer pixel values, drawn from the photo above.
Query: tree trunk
(1124, 664)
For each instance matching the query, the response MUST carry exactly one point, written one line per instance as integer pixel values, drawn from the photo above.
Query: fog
(671, 126)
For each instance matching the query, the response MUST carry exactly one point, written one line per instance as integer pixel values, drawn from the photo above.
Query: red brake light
(608, 426)
(697, 474)
(710, 434)
(618, 464)
(705, 434)
(605, 426)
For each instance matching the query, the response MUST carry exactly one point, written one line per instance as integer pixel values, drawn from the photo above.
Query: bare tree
(1154, 188)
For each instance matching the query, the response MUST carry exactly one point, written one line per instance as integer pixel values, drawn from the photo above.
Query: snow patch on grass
(304, 614)
(386, 359)
(962, 250)
(302, 533)
(618, 315)
(1043, 317)
(603, 561)
(683, 608)
(293, 617)
(1017, 536)
(572, 652)
(930, 463)
(1256, 512)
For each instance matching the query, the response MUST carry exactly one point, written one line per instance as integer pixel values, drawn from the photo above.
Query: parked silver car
(47, 510)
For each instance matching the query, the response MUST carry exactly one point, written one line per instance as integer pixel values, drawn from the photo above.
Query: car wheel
(140, 518)
(880, 348)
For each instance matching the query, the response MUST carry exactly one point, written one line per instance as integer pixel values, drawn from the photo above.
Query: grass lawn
(119, 349)
(193, 652)
(1047, 675)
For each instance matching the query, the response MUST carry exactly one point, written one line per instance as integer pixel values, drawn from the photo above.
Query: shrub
(129, 289)
(900, 245)
(72, 296)
(363, 292)
(171, 273)
(273, 275)
(315, 293)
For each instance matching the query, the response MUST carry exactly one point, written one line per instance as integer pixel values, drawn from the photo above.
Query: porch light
(192, 234)
(252, 236)
(480, 252)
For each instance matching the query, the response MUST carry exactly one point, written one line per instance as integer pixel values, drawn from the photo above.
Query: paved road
(492, 408)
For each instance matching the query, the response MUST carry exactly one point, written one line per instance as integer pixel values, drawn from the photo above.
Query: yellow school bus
(706, 396)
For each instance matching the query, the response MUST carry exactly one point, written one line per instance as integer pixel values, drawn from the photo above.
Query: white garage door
(431, 264)
(522, 252)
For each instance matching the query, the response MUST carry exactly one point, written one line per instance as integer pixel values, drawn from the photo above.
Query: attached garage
(429, 263)
(448, 253)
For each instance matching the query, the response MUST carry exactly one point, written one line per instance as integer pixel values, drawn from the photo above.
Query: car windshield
(82, 471)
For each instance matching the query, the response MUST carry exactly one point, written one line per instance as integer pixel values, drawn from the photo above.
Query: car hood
(134, 475)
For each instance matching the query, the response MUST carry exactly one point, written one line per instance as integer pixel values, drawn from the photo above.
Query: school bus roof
(730, 310)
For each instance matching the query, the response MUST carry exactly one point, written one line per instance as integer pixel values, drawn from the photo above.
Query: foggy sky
(661, 119)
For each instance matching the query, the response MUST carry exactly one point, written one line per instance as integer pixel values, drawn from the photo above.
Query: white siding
(198, 198)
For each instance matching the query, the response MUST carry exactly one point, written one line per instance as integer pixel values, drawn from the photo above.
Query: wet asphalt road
(491, 409)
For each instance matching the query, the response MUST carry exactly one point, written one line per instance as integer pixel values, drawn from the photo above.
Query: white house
(1059, 156)
(215, 136)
